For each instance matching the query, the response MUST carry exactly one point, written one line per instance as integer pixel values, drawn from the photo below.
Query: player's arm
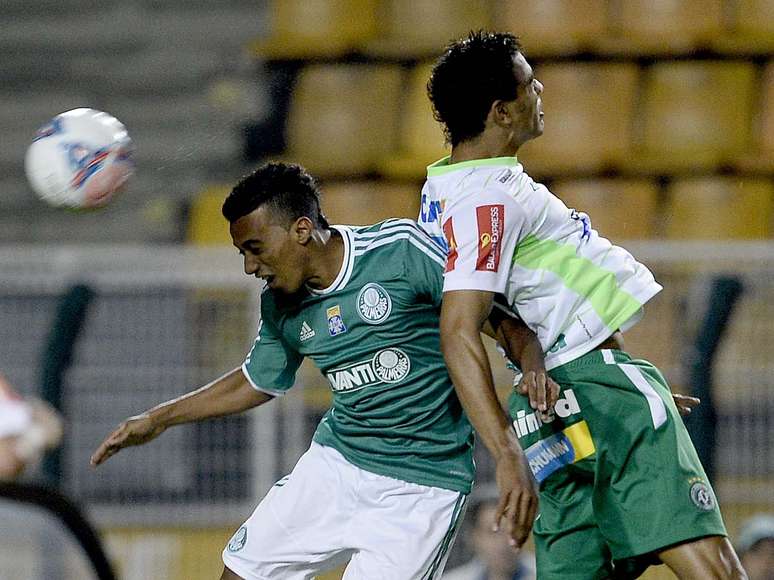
(522, 347)
(232, 393)
(463, 314)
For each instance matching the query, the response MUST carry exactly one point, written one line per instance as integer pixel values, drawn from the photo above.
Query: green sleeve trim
(443, 166)
(597, 285)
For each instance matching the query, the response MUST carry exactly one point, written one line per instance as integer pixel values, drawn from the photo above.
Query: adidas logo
(306, 332)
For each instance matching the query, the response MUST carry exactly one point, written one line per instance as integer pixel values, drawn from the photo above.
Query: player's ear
(500, 113)
(301, 230)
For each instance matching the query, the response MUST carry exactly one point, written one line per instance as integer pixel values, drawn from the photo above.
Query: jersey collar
(345, 273)
(443, 166)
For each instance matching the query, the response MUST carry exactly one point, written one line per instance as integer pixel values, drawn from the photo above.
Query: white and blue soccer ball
(79, 159)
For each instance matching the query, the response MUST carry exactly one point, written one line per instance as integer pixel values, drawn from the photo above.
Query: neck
(327, 258)
(483, 146)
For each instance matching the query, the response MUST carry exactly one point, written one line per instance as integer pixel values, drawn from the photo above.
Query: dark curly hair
(288, 188)
(472, 73)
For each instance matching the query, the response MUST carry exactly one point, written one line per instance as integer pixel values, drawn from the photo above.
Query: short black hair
(472, 73)
(290, 190)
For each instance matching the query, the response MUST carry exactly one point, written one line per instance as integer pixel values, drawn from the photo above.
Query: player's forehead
(252, 228)
(522, 70)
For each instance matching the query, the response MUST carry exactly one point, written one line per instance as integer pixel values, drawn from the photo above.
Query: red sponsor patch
(491, 221)
(451, 242)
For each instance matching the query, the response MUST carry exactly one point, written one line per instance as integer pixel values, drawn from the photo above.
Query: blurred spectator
(756, 547)
(493, 558)
(28, 427)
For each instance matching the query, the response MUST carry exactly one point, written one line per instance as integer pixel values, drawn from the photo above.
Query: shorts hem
(665, 543)
(240, 571)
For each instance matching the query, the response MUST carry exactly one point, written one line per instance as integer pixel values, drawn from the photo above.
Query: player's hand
(134, 431)
(685, 404)
(518, 499)
(542, 391)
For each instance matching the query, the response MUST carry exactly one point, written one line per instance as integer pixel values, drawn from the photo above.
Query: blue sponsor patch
(560, 449)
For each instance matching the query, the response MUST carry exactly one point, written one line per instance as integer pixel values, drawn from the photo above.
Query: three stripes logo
(306, 332)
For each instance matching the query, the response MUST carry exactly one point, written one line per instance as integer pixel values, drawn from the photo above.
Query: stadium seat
(760, 157)
(588, 114)
(716, 208)
(343, 117)
(751, 30)
(550, 27)
(367, 202)
(206, 226)
(416, 29)
(619, 209)
(421, 139)
(305, 29)
(663, 27)
(696, 115)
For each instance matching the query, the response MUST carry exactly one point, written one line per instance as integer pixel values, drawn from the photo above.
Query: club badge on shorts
(238, 540)
(701, 495)
(373, 303)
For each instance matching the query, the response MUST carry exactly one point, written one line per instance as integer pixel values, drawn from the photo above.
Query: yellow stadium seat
(554, 26)
(304, 29)
(206, 224)
(367, 202)
(663, 27)
(343, 117)
(761, 154)
(695, 115)
(421, 28)
(588, 115)
(421, 139)
(620, 209)
(713, 208)
(752, 28)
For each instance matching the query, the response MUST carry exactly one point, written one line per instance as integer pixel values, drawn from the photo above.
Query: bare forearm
(521, 345)
(469, 368)
(229, 394)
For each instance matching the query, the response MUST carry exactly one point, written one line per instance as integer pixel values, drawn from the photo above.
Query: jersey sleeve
(482, 232)
(271, 365)
(425, 261)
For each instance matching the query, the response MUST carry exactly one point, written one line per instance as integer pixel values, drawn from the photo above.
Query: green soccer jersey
(374, 335)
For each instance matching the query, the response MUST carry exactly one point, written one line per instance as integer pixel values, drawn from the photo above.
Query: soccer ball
(79, 159)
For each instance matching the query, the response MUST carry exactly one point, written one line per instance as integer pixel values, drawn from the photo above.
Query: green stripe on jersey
(597, 285)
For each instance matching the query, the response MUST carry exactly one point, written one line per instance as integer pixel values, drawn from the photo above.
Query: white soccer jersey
(506, 234)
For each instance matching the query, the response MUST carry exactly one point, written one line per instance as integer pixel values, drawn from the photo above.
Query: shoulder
(394, 236)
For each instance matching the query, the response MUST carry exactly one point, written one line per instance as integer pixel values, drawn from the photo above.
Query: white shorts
(327, 511)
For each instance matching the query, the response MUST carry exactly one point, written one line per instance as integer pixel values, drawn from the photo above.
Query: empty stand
(421, 140)
(421, 28)
(549, 27)
(343, 117)
(306, 29)
(206, 224)
(760, 156)
(711, 208)
(751, 28)
(366, 202)
(620, 209)
(696, 115)
(663, 27)
(588, 113)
